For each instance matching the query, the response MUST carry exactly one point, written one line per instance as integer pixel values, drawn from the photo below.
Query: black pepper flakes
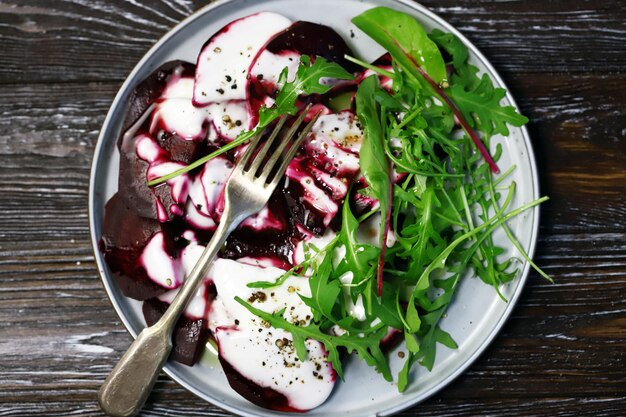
(257, 296)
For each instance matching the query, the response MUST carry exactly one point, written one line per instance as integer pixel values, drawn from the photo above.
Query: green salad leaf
(481, 104)
(405, 39)
(375, 167)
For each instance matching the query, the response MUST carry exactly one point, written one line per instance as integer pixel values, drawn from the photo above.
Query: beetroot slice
(189, 336)
(313, 39)
(151, 88)
(256, 394)
(124, 237)
(179, 149)
(302, 38)
(133, 187)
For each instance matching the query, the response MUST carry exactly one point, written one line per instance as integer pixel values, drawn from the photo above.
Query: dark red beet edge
(256, 394)
(189, 336)
(151, 88)
(304, 38)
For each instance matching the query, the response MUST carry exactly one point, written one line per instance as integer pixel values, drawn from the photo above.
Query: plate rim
(168, 368)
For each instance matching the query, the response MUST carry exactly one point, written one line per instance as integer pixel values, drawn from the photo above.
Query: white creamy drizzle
(230, 118)
(159, 265)
(268, 66)
(338, 187)
(224, 61)
(196, 219)
(342, 128)
(206, 191)
(196, 308)
(268, 358)
(264, 220)
(231, 279)
(148, 149)
(320, 242)
(355, 309)
(266, 355)
(262, 262)
(313, 195)
(339, 161)
(176, 111)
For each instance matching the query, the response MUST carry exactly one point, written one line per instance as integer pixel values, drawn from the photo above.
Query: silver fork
(249, 188)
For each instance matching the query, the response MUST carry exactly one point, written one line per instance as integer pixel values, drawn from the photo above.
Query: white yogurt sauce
(197, 306)
(159, 265)
(262, 354)
(224, 61)
(268, 66)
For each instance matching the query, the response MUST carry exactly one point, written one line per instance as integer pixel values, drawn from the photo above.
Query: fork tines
(267, 172)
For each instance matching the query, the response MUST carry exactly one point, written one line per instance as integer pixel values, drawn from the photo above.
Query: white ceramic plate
(474, 317)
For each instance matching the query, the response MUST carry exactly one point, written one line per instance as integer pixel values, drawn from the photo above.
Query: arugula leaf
(452, 45)
(405, 39)
(385, 308)
(483, 102)
(367, 348)
(358, 256)
(375, 166)
(324, 292)
(384, 26)
(308, 80)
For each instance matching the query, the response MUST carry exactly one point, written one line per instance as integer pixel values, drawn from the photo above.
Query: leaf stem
(371, 67)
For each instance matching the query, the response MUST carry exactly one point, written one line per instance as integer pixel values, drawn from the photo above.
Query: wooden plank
(103, 40)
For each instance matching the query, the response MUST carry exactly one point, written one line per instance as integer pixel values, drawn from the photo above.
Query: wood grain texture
(563, 351)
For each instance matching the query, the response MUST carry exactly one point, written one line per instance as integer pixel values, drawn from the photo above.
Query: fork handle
(128, 385)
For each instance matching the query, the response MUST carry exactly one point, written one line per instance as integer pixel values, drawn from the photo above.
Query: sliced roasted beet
(124, 236)
(270, 243)
(262, 365)
(285, 50)
(189, 336)
(313, 39)
(151, 88)
(133, 187)
(302, 213)
(179, 149)
(261, 396)
(226, 56)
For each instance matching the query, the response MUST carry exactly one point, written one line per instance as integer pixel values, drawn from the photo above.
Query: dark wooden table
(563, 351)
